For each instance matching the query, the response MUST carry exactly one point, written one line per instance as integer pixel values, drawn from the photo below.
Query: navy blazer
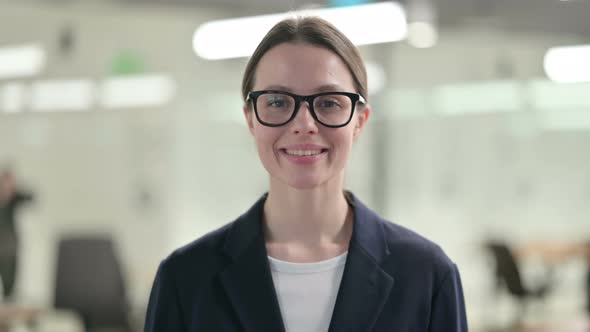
(394, 280)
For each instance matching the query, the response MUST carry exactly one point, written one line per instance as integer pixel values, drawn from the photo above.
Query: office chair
(89, 282)
(507, 274)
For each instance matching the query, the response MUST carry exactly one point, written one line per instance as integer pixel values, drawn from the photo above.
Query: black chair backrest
(506, 268)
(89, 281)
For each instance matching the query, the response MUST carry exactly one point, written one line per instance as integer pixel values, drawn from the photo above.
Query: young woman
(308, 256)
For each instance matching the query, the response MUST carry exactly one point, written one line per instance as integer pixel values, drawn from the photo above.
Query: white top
(307, 292)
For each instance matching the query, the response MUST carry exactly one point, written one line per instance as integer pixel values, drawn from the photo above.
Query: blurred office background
(125, 135)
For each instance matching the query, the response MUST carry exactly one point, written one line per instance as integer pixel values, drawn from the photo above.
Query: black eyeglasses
(331, 109)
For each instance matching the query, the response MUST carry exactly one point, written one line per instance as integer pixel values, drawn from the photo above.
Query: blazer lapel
(248, 281)
(365, 287)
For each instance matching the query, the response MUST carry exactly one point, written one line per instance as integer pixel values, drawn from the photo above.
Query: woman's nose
(304, 121)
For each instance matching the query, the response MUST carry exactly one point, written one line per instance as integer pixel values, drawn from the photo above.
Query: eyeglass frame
(354, 98)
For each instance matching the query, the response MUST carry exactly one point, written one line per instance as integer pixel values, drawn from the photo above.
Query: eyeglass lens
(276, 108)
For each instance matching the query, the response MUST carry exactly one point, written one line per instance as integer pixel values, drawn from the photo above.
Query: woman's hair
(314, 31)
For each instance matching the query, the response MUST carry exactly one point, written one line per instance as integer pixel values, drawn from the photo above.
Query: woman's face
(304, 154)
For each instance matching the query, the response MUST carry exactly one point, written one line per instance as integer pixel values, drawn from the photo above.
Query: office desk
(554, 252)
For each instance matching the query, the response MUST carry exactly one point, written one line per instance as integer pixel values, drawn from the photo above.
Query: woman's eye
(277, 103)
(328, 104)
(280, 103)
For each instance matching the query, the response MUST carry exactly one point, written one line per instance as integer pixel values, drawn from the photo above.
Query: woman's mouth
(303, 152)
(303, 157)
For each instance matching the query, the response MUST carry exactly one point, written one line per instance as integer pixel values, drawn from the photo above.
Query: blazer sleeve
(448, 308)
(164, 312)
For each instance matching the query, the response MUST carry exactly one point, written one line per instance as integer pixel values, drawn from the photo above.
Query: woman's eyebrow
(278, 88)
(321, 88)
(329, 87)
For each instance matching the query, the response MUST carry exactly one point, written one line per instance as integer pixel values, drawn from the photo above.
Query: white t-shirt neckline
(278, 265)
(307, 292)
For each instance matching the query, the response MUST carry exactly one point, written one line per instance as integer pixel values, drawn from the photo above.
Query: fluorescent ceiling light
(62, 95)
(568, 64)
(137, 91)
(19, 61)
(364, 24)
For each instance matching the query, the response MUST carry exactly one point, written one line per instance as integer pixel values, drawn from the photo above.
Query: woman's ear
(362, 118)
(248, 114)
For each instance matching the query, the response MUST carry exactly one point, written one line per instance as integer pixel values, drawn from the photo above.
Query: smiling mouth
(304, 152)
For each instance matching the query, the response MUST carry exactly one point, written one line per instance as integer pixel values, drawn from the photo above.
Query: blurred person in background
(308, 256)
(11, 199)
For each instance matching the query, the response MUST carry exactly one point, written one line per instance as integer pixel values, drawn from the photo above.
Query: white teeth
(303, 152)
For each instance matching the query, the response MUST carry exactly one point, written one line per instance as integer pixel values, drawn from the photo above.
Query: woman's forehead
(296, 66)
(300, 53)
(317, 88)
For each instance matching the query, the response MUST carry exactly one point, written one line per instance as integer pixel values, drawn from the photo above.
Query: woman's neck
(307, 225)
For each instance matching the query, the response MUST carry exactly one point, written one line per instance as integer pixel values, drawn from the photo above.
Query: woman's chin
(297, 182)
(304, 185)
(305, 182)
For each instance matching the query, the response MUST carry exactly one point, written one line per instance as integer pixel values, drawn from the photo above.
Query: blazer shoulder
(204, 251)
(181, 278)
(415, 249)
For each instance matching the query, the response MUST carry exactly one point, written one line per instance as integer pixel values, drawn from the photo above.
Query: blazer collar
(367, 229)
(248, 280)
(365, 286)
